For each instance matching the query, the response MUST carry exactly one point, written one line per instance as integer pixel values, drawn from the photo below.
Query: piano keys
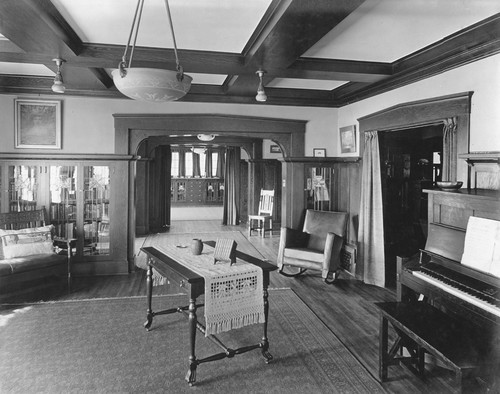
(462, 286)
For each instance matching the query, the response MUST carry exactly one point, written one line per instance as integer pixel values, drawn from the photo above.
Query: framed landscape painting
(37, 124)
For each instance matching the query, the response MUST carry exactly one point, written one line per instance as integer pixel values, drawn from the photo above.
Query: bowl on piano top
(449, 185)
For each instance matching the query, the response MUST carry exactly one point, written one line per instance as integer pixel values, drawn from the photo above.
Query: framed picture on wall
(37, 124)
(319, 152)
(275, 149)
(348, 139)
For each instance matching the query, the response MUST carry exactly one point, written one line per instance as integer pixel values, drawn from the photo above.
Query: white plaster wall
(88, 124)
(481, 77)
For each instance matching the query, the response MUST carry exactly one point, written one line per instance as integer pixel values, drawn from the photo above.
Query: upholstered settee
(27, 251)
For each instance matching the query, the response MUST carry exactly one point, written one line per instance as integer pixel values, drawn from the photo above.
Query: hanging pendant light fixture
(150, 84)
(261, 94)
(58, 85)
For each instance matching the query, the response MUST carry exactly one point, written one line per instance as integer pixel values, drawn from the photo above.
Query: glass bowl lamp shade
(152, 84)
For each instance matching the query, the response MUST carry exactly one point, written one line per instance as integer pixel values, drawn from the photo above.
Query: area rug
(185, 239)
(100, 346)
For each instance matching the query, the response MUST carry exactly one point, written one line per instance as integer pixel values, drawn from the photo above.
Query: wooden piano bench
(422, 328)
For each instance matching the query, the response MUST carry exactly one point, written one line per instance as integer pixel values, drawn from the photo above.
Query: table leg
(382, 351)
(265, 343)
(193, 363)
(149, 294)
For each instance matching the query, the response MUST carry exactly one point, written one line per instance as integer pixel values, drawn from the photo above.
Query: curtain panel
(371, 218)
(231, 214)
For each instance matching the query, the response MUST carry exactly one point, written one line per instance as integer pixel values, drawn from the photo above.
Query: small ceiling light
(261, 94)
(206, 137)
(58, 86)
(150, 84)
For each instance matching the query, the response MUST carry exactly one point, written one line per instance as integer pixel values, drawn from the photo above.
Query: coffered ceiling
(315, 52)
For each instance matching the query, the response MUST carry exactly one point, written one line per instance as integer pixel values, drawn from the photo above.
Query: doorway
(410, 163)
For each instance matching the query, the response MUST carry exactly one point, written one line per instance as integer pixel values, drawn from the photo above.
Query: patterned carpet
(100, 346)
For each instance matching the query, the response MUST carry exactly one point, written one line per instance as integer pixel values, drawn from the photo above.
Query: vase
(196, 246)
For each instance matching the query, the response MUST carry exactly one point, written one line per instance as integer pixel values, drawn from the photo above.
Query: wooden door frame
(132, 129)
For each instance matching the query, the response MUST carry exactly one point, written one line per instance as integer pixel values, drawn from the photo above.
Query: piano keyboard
(479, 299)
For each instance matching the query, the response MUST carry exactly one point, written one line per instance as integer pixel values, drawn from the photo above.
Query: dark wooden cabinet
(197, 191)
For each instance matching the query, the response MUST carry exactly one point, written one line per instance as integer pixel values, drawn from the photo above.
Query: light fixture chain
(136, 33)
(179, 68)
(123, 63)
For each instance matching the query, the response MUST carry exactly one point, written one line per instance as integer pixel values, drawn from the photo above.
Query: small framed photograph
(348, 139)
(275, 149)
(37, 124)
(319, 152)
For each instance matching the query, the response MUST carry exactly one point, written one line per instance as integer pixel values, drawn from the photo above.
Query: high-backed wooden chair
(258, 222)
(316, 246)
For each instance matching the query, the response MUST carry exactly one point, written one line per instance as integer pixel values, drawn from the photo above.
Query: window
(175, 164)
(189, 164)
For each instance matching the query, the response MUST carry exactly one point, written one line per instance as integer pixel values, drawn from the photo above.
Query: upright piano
(437, 276)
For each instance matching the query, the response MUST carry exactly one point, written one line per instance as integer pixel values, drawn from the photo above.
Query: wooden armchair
(264, 216)
(316, 246)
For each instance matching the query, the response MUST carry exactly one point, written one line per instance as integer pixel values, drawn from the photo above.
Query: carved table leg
(265, 343)
(149, 289)
(193, 363)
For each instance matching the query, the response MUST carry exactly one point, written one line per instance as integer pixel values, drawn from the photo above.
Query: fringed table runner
(234, 295)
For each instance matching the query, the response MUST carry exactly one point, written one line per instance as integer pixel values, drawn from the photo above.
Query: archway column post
(292, 191)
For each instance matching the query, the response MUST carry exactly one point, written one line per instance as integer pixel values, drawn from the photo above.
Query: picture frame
(319, 152)
(37, 124)
(274, 149)
(348, 139)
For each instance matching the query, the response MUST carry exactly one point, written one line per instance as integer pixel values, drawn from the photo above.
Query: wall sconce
(261, 94)
(58, 86)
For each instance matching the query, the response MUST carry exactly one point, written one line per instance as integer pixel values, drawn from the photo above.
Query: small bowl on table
(449, 185)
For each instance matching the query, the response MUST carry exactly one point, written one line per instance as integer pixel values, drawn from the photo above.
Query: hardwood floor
(345, 307)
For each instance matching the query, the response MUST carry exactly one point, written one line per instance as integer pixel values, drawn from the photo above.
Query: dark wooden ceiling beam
(15, 84)
(205, 62)
(37, 28)
(294, 27)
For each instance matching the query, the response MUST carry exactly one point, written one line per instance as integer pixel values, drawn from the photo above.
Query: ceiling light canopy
(150, 84)
(58, 85)
(261, 94)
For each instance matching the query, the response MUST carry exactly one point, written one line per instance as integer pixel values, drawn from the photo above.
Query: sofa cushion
(304, 254)
(25, 242)
(30, 263)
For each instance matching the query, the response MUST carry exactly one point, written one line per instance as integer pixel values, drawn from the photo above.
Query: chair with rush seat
(264, 216)
(316, 246)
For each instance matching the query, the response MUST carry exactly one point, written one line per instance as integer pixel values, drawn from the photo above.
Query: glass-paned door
(63, 200)
(23, 184)
(96, 220)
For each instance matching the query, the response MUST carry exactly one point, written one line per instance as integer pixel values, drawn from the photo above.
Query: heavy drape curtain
(221, 165)
(208, 163)
(196, 164)
(231, 214)
(371, 218)
(159, 193)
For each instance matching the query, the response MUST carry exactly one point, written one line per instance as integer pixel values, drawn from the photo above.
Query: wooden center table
(194, 285)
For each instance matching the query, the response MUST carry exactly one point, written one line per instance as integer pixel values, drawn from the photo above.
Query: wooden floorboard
(346, 307)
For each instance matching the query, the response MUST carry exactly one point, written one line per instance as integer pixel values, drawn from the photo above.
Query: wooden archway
(132, 129)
